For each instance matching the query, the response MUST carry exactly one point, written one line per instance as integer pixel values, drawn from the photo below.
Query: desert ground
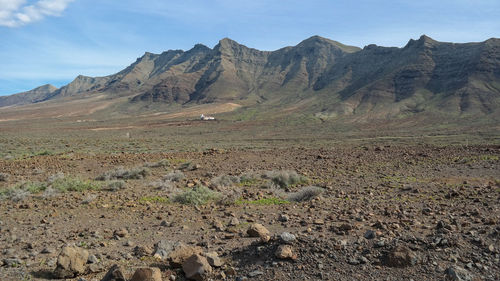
(234, 200)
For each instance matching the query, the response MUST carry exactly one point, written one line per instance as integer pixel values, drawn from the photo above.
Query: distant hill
(325, 77)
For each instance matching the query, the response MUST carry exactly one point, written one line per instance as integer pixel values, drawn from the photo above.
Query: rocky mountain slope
(36, 95)
(334, 79)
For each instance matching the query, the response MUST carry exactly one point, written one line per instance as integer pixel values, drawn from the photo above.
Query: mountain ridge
(425, 74)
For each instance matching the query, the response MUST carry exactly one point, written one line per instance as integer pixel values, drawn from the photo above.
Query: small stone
(214, 259)
(115, 273)
(400, 256)
(218, 225)
(285, 252)
(234, 222)
(318, 222)
(147, 274)
(181, 253)
(95, 268)
(255, 273)
(164, 223)
(47, 251)
(491, 248)
(230, 271)
(92, 259)
(143, 251)
(257, 230)
(287, 237)
(353, 261)
(370, 234)
(71, 262)
(283, 218)
(122, 232)
(128, 243)
(196, 267)
(458, 274)
(12, 262)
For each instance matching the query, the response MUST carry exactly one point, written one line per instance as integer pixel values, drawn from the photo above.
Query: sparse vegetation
(154, 199)
(224, 181)
(174, 176)
(286, 178)
(74, 184)
(198, 195)
(305, 194)
(124, 174)
(159, 164)
(115, 185)
(263, 201)
(4, 177)
(188, 166)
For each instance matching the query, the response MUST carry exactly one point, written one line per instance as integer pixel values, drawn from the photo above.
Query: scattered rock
(92, 259)
(181, 253)
(196, 267)
(458, 274)
(71, 262)
(12, 262)
(143, 251)
(234, 222)
(285, 252)
(370, 234)
(255, 273)
(214, 259)
(163, 248)
(287, 237)
(115, 273)
(147, 274)
(122, 232)
(283, 218)
(400, 256)
(258, 230)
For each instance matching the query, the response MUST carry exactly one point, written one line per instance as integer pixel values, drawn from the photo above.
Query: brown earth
(440, 203)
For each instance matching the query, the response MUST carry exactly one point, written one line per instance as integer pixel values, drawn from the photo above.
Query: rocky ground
(348, 213)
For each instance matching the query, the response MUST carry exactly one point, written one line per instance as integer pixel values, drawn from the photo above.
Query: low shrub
(305, 194)
(74, 184)
(115, 185)
(264, 201)
(4, 177)
(174, 176)
(199, 195)
(159, 164)
(286, 178)
(224, 181)
(124, 174)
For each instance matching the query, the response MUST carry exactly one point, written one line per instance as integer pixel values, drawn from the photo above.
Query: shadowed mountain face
(336, 79)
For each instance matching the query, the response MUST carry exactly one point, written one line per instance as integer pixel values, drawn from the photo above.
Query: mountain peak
(423, 41)
(316, 39)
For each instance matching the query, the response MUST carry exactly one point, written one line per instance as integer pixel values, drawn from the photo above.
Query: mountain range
(318, 76)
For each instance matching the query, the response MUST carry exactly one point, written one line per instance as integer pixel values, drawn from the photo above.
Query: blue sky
(53, 41)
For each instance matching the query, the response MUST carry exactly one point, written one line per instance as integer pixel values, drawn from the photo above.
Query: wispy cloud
(14, 13)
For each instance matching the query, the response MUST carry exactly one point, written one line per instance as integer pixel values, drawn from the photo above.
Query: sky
(53, 41)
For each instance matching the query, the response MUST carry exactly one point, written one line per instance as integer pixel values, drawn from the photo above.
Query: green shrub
(199, 195)
(74, 184)
(264, 201)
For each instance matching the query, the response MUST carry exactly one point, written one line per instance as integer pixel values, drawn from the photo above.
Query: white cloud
(14, 13)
